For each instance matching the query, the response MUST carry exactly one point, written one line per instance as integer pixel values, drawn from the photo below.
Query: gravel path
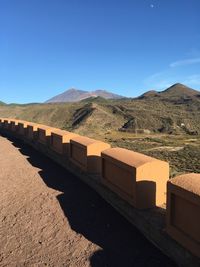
(50, 218)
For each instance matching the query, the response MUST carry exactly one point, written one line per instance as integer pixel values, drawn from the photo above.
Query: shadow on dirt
(88, 214)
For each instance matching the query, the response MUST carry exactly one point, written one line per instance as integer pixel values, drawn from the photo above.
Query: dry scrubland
(166, 128)
(182, 152)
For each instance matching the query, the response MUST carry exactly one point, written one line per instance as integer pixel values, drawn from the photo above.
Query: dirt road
(50, 218)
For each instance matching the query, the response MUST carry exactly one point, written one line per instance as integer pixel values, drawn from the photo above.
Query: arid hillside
(174, 111)
(164, 124)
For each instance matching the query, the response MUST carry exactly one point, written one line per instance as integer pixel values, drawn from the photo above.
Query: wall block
(22, 128)
(6, 124)
(44, 134)
(32, 131)
(137, 178)
(183, 211)
(86, 153)
(14, 125)
(1, 122)
(60, 141)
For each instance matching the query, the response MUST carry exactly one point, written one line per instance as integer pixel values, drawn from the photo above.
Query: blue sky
(124, 46)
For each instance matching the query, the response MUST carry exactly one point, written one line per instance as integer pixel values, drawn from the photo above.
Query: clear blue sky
(124, 46)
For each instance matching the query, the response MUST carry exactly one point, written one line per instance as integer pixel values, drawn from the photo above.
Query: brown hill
(175, 93)
(179, 90)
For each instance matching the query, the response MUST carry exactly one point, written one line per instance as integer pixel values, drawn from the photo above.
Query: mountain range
(176, 92)
(175, 110)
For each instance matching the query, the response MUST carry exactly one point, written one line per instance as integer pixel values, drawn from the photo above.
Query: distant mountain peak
(179, 89)
(75, 95)
(177, 86)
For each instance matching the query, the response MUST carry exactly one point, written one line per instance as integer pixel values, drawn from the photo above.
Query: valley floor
(50, 218)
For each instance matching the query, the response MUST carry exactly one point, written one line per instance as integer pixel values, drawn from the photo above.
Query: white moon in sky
(152, 6)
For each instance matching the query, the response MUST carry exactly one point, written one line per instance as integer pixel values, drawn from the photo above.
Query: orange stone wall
(183, 211)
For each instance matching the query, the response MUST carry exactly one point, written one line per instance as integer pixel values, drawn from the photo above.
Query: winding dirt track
(50, 218)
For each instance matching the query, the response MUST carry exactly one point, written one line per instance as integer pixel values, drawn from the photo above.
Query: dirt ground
(50, 218)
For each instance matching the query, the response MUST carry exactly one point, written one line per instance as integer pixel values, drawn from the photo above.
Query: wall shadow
(88, 214)
(147, 193)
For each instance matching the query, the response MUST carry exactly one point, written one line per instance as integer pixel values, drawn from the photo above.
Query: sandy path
(50, 218)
